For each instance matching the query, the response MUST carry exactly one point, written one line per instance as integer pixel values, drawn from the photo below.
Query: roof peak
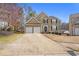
(42, 12)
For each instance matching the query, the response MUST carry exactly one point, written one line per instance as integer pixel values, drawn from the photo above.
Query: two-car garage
(28, 29)
(76, 31)
(33, 30)
(33, 26)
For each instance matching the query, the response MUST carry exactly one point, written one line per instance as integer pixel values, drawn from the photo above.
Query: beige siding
(44, 20)
(73, 19)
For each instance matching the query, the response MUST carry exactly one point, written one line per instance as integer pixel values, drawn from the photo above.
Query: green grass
(9, 38)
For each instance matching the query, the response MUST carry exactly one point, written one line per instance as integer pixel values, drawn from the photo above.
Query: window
(43, 21)
(3, 24)
(56, 20)
(51, 20)
(77, 22)
(47, 20)
(54, 27)
(51, 27)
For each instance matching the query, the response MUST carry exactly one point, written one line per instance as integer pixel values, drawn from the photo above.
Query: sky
(60, 10)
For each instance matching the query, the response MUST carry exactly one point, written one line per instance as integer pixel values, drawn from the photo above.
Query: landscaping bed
(63, 38)
(6, 33)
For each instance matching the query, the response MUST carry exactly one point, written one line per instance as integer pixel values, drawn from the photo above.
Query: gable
(32, 20)
(41, 15)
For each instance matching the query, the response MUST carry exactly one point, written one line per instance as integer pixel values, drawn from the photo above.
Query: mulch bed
(5, 33)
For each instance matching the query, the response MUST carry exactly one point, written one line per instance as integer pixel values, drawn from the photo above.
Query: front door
(45, 29)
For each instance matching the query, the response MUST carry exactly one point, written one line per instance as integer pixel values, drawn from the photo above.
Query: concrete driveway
(33, 44)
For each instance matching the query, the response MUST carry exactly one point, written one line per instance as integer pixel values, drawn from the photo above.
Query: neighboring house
(74, 24)
(43, 24)
(3, 25)
(64, 27)
(10, 13)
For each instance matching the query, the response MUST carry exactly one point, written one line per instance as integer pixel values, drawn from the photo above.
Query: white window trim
(53, 27)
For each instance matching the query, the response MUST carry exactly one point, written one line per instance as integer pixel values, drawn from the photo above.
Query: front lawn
(9, 38)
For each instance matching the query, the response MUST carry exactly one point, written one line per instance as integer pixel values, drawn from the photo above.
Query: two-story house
(74, 24)
(43, 24)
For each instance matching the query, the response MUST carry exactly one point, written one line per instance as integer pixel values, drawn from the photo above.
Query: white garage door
(76, 31)
(36, 29)
(28, 29)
